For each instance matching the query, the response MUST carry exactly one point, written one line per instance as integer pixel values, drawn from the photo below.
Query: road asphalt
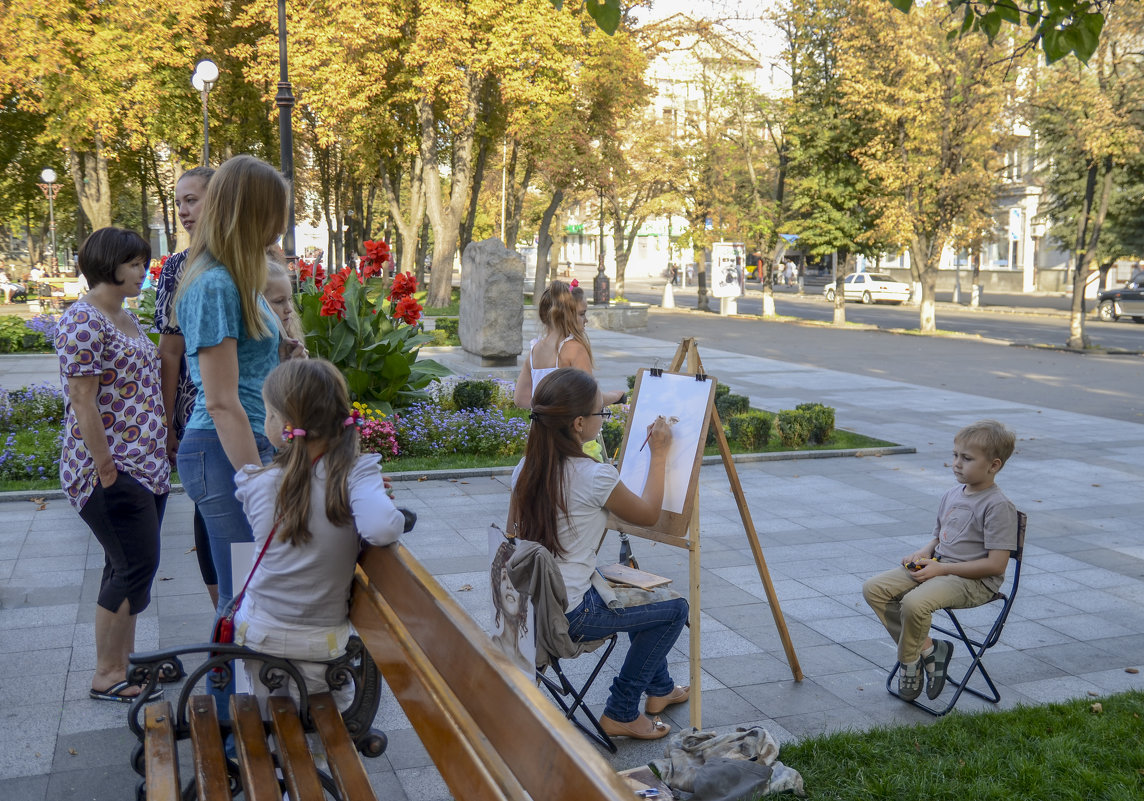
(825, 524)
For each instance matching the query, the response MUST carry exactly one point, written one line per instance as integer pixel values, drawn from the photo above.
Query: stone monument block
(492, 307)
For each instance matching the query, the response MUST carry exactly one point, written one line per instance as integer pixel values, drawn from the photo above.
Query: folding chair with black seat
(976, 647)
(532, 570)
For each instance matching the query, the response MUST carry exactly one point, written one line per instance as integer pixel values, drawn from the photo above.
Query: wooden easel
(686, 359)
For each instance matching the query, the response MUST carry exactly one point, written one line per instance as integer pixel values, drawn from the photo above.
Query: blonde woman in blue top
(232, 344)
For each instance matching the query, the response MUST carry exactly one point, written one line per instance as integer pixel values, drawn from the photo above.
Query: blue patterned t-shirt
(208, 312)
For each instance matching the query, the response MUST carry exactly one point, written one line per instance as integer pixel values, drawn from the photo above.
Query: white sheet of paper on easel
(668, 395)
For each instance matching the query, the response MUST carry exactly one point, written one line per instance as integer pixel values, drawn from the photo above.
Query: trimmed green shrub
(613, 433)
(473, 395)
(793, 428)
(750, 430)
(17, 337)
(820, 419)
(728, 405)
(445, 332)
(721, 390)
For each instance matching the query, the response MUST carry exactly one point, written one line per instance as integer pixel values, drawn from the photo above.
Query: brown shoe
(658, 703)
(642, 728)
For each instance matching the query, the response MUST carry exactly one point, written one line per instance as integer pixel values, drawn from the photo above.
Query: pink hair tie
(290, 433)
(574, 283)
(355, 419)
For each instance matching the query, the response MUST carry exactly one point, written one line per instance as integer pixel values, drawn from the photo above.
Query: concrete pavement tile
(34, 639)
(766, 635)
(1074, 658)
(93, 784)
(827, 660)
(1063, 688)
(94, 749)
(716, 644)
(424, 784)
(386, 785)
(27, 739)
(1038, 607)
(10, 550)
(742, 616)
(778, 699)
(1102, 579)
(1010, 667)
(717, 707)
(60, 544)
(848, 629)
(64, 579)
(809, 610)
(6, 568)
(32, 688)
(1081, 627)
(25, 788)
(1027, 634)
(1087, 600)
(1118, 680)
(21, 617)
(749, 669)
(26, 593)
(44, 660)
(827, 721)
(88, 715)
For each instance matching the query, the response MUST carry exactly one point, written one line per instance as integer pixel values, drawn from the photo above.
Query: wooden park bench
(490, 731)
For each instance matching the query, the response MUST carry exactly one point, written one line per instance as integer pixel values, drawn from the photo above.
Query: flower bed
(31, 427)
(18, 335)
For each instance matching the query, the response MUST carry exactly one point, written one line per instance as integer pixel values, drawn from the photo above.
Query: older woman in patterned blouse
(113, 464)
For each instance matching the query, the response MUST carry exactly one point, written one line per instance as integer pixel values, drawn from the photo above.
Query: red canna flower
(308, 270)
(404, 284)
(333, 296)
(407, 310)
(376, 257)
(156, 268)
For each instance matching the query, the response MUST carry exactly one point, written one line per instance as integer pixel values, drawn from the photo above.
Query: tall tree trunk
(1087, 239)
(544, 241)
(925, 252)
(92, 182)
(407, 223)
(475, 193)
(446, 217)
(516, 207)
(160, 190)
(422, 252)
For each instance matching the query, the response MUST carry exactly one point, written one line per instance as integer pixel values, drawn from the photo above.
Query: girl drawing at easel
(561, 498)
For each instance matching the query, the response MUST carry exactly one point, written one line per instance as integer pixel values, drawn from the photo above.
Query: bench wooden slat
(162, 760)
(450, 735)
(345, 765)
(259, 779)
(209, 760)
(414, 630)
(293, 753)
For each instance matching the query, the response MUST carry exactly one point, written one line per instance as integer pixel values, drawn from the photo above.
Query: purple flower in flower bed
(44, 324)
(425, 429)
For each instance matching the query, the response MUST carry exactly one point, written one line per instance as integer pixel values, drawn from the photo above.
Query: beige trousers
(906, 607)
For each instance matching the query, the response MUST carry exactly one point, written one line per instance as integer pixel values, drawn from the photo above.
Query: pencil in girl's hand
(670, 421)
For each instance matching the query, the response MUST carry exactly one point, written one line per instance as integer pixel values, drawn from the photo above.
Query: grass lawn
(452, 310)
(1058, 752)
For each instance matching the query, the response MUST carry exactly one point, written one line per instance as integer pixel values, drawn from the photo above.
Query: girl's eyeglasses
(605, 413)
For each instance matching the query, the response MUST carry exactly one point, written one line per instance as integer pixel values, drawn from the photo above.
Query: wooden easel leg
(693, 580)
(756, 549)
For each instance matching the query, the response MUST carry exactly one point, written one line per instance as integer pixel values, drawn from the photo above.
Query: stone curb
(506, 470)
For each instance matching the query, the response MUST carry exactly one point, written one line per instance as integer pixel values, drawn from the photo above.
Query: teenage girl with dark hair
(561, 498)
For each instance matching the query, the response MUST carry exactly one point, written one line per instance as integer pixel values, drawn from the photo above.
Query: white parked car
(871, 288)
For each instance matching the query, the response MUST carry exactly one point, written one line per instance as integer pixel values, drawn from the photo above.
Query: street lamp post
(206, 73)
(50, 188)
(285, 102)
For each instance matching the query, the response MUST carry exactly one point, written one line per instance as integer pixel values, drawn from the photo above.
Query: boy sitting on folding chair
(961, 567)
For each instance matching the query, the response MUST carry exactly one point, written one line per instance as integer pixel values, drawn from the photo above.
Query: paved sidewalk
(824, 524)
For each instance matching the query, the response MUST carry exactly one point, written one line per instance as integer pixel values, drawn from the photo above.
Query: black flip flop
(115, 693)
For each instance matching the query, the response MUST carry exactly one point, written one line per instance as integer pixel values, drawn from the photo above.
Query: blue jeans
(208, 478)
(652, 630)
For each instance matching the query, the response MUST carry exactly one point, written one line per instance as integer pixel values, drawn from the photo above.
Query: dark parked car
(1125, 301)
